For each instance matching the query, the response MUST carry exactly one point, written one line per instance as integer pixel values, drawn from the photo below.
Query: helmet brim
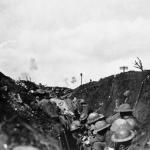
(96, 119)
(73, 130)
(114, 139)
(95, 131)
(128, 110)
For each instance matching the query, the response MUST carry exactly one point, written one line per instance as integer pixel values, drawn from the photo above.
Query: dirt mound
(106, 91)
(21, 121)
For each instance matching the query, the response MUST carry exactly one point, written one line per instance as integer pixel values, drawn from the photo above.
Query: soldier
(122, 139)
(99, 139)
(125, 110)
(75, 129)
(93, 118)
(127, 113)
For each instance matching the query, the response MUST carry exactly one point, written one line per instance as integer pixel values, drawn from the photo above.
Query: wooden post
(81, 77)
(123, 68)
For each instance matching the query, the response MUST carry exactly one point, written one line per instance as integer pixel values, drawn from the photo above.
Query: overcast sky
(55, 40)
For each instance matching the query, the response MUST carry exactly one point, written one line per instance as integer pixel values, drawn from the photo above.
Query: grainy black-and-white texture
(53, 41)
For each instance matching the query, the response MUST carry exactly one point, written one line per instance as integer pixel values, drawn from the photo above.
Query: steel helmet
(122, 135)
(75, 125)
(76, 122)
(93, 117)
(120, 124)
(100, 125)
(124, 108)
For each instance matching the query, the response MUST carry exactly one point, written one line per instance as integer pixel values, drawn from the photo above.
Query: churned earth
(23, 123)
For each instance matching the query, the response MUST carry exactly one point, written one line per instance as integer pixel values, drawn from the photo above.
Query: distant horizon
(138, 70)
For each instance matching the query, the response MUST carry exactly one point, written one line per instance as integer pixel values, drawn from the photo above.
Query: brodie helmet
(122, 135)
(93, 117)
(120, 124)
(100, 125)
(124, 108)
(75, 125)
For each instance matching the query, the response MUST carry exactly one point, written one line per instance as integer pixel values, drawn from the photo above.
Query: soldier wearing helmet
(94, 117)
(75, 129)
(99, 138)
(75, 125)
(91, 120)
(77, 132)
(126, 112)
(122, 138)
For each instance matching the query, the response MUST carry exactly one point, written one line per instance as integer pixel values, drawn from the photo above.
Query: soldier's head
(101, 127)
(124, 110)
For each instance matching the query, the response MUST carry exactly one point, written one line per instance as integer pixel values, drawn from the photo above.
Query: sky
(53, 41)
